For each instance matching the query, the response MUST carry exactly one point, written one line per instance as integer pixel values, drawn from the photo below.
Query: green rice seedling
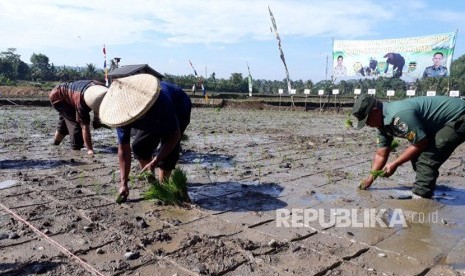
(394, 144)
(160, 192)
(348, 122)
(81, 178)
(146, 176)
(21, 127)
(329, 175)
(350, 176)
(179, 180)
(375, 174)
(133, 179)
(197, 164)
(113, 176)
(209, 172)
(97, 188)
(172, 191)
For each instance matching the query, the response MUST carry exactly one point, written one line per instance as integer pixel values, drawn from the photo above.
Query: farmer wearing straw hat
(74, 101)
(434, 126)
(157, 113)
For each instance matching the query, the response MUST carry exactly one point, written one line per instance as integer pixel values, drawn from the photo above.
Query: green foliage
(172, 191)
(42, 69)
(12, 67)
(5, 80)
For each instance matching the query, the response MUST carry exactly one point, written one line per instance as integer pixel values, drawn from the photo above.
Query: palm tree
(90, 71)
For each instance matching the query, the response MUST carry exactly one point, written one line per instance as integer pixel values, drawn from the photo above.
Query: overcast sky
(219, 36)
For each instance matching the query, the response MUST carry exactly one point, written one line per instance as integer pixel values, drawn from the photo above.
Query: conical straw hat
(128, 99)
(94, 95)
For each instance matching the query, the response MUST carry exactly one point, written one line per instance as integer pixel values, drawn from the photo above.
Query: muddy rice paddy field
(245, 168)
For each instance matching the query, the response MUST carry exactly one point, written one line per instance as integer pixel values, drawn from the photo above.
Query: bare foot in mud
(123, 195)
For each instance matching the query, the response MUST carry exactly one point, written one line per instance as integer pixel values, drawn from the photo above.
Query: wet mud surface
(245, 168)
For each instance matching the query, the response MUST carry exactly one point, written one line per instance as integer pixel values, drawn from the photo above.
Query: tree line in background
(13, 71)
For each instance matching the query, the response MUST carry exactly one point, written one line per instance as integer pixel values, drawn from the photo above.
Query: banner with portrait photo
(406, 58)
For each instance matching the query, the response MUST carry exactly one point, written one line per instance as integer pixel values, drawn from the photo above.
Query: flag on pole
(105, 65)
(275, 30)
(200, 82)
(250, 81)
(195, 72)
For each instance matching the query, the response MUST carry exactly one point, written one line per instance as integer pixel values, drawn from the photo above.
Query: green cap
(362, 107)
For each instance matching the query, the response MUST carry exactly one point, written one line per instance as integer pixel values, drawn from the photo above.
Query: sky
(217, 36)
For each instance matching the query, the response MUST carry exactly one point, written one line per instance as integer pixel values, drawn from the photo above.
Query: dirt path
(246, 169)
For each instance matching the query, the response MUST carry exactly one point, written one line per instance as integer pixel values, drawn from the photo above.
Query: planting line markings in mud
(81, 214)
(85, 265)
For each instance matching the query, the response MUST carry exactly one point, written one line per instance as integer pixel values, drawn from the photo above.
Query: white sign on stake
(410, 92)
(335, 91)
(357, 91)
(454, 93)
(390, 93)
(306, 91)
(372, 91)
(280, 91)
(293, 92)
(321, 92)
(430, 93)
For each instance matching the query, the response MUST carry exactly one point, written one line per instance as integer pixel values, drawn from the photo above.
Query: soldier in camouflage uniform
(434, 126)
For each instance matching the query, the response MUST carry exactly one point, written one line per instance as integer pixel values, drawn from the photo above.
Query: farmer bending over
(74, 101)
(157, 112)
(434, 126)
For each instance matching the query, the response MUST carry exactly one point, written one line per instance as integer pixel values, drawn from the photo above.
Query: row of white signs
(389, 93)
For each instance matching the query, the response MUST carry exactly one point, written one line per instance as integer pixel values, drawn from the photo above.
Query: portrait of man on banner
(406, 58)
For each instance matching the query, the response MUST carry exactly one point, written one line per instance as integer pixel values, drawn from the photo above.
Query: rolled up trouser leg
(439, 149)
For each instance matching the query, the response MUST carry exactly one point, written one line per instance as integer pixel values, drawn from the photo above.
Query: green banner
(408, 58)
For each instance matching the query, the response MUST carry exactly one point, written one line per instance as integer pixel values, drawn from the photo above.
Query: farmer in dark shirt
(157, 113)
(74, 101)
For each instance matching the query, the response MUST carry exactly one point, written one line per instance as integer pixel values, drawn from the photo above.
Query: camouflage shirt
(417, 118)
